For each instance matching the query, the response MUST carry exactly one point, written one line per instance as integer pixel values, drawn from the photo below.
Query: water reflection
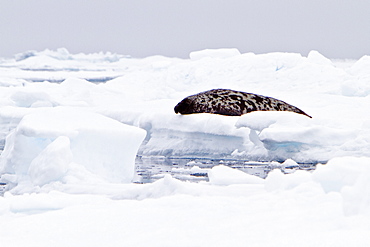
(2, 188)
(150, 169)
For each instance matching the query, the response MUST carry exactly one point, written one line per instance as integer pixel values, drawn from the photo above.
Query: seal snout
(183, 107)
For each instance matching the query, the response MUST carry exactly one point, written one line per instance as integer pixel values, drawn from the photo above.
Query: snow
(72, 124)
(294, 209)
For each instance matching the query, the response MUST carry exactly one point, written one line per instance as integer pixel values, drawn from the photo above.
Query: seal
(232, 103)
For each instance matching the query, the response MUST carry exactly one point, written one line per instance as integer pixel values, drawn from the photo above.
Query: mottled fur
(231, 103)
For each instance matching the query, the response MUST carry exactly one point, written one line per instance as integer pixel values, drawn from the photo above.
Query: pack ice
(72, 124)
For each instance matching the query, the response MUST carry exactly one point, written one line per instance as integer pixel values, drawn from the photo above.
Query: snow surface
(72, 124)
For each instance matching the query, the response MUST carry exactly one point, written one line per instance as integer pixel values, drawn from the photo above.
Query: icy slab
(359, 87)
(289, 135)
(51, 164)
(52, 143)
(223, 175)
(200, 135)
(347, 177)
(62, 54)
(214, 53)
(317, 58)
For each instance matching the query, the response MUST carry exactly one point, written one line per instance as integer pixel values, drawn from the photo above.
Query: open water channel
(150, 169)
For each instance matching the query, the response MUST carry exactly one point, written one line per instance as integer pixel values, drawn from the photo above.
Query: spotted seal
(232, 103)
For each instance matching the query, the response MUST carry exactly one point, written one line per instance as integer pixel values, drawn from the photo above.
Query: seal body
(232, 103)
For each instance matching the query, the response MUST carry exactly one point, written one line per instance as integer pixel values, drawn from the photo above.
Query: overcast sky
(336, 28)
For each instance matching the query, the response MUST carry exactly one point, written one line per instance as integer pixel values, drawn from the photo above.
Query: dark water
(150, 169)
(2, 188)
